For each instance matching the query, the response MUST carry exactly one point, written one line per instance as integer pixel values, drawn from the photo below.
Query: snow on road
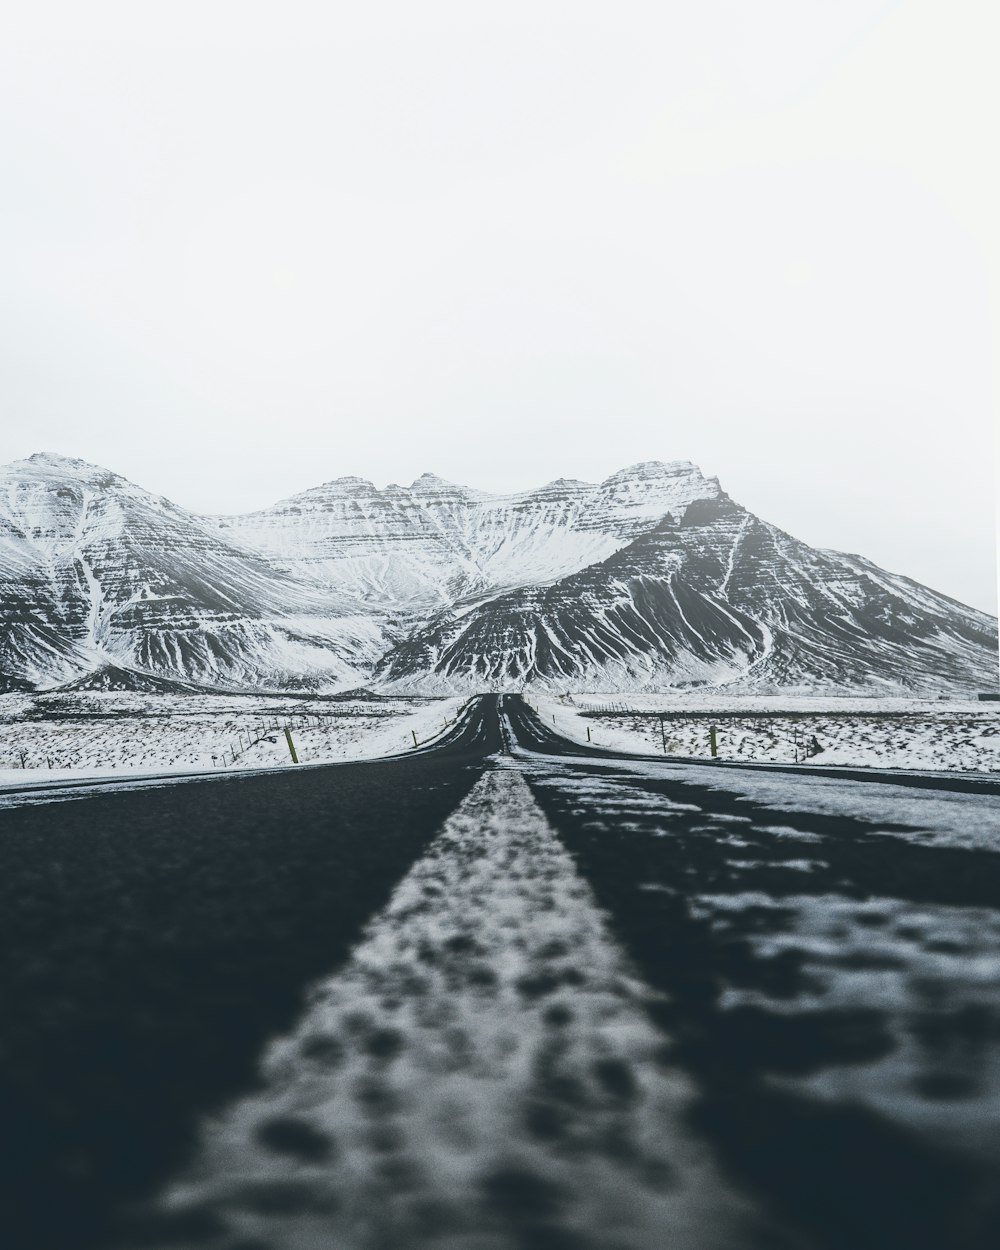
(928, 968)
(879, 926)
(480, 1076)
(929, 817)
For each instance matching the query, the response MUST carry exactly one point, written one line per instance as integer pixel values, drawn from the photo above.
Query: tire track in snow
(481, 1075)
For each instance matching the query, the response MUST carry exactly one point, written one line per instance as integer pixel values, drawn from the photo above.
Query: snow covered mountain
(433, 544)
(652, 579)
(715, 597)
(97, 574)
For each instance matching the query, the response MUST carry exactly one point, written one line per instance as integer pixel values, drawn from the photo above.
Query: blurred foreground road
(503, 992)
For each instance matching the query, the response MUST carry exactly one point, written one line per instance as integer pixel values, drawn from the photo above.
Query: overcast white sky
(247, 247)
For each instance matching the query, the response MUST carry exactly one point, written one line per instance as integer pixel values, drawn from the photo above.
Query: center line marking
(480, 1072)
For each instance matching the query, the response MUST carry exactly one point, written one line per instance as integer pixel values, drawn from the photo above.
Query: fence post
(414, 733)
(663, 735)
(291, 745)
(713, 743)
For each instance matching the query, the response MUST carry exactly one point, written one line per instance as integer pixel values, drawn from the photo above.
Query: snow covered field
(52, 736)
(886, 733)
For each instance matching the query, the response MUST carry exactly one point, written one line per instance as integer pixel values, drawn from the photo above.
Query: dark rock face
(720, 598)
(651, 579)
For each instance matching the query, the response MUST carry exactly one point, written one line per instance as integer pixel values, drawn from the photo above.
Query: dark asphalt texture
(151, 942)
(844, 1177)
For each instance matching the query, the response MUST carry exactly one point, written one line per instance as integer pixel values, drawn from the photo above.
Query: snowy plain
(48, 737)
(850, 732)
(52, 737)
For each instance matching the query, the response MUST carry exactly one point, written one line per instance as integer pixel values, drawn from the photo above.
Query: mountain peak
(49, 465)
(656, 469)
(431, 481)
(52, 459)
(348, 484)
(349, 479)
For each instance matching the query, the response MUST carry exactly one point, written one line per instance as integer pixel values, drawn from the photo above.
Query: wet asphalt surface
(830, 988)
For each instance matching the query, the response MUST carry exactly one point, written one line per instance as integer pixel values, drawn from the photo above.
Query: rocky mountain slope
(434, 544)
(715, 597)
(653, 578)
(96, 574)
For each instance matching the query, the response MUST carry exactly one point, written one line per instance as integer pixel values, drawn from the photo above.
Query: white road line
(482, 1071)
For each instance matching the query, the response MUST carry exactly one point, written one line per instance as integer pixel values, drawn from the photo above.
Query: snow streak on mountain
(652, 579)
(98, 576)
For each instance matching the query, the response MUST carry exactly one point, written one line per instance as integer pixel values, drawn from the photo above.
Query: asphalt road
(817, 958)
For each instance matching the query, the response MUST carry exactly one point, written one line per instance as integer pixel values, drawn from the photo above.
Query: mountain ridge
(653, 578)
